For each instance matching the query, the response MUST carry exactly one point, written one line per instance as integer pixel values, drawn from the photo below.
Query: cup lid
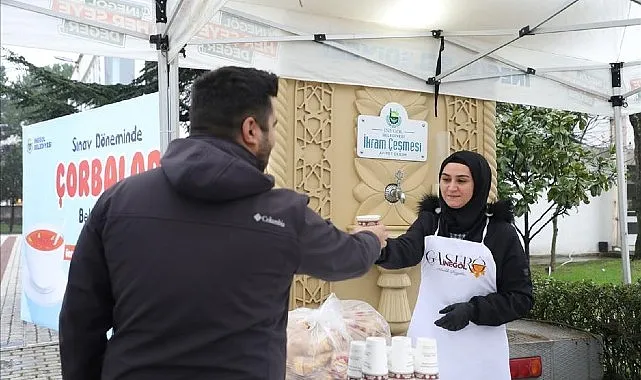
(368, 218)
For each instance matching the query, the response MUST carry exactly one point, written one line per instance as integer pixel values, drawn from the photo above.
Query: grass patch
(602, 271)
(4, 228)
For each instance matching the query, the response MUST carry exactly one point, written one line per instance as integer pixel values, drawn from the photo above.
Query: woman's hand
(457, 316)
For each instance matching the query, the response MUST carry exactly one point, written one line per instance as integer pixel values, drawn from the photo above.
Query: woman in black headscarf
(474, 274)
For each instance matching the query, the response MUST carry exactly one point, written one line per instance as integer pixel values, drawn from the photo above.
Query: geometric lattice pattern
(312, 141)
(312, 172)
(462, 121)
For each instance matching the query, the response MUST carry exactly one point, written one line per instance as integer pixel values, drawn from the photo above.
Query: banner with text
(67, 164)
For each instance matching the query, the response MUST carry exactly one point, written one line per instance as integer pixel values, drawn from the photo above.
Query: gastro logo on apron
(478, 267)
(457, 264)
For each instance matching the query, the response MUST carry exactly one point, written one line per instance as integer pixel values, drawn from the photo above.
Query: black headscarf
(469, 219)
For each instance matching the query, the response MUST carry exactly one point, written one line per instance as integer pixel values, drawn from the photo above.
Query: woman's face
(456, 184)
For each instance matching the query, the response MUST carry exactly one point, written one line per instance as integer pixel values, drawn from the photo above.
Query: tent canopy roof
(567, 47)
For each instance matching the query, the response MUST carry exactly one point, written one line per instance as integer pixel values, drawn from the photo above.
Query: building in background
(106, 70)
(581, 231)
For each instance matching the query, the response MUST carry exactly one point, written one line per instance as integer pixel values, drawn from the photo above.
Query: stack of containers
(372, 359)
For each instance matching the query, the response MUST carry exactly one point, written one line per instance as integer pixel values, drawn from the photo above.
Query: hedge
(610, 311)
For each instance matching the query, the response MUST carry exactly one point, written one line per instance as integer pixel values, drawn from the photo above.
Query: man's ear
(250, 132)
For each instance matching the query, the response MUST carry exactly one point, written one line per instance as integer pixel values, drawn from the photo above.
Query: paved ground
(6, 245)
(26, 351)
(545, 260)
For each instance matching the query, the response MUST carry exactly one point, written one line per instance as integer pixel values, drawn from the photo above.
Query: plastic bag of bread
(318, 339)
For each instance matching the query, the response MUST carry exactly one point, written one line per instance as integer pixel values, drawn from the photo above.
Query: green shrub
(610, 311)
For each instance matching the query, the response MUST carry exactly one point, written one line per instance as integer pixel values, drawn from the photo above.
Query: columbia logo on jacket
(268, 219)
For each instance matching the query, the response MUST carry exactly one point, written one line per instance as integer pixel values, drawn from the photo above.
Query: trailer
(548, 351)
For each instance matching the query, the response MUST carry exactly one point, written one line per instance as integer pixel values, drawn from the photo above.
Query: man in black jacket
(191, 264)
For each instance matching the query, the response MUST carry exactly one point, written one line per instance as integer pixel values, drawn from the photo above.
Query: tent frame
(616, 99)
(168, 91)
(168, 67)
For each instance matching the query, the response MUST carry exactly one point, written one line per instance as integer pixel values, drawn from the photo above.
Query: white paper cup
(368, 220)
(389, 357)
(44, 251)
(425, 358)
(401, 360)
(375, 363)
(355, 360)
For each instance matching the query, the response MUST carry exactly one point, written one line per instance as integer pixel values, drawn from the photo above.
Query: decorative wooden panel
(314, 103)
(471, 125)
(462, 123)
(279, 160)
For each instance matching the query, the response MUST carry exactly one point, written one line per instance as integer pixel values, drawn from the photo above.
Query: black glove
(456, 317)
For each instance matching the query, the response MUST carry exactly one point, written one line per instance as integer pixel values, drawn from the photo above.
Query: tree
(10, 150)
(575, 175)
(635, 120)
(11, 176)
(25, 101)
(9, 114)
(148, 82)
(540, 153)
(71, 94)
(45, 93)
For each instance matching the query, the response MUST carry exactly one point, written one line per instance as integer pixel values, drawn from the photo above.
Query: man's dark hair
(223, 98)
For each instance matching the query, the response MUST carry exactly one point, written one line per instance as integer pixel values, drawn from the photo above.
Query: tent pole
(174, 100)
(308, 37)
(176, 10)
(363, 36)
(162, 46)
(622, 197)
(632, 92)
(528, 71)
(321, 39)
(589, 26)
(163, 81)
(520, 34)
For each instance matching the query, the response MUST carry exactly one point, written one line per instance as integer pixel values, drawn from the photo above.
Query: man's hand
(457, 316)
(379, 230)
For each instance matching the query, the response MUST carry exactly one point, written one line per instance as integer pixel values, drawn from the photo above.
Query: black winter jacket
(514, 296)
(191, 264)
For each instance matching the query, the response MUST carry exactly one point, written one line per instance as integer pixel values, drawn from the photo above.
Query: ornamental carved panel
(471, 126)
(462, 123)
(314, 104)
(280, 159)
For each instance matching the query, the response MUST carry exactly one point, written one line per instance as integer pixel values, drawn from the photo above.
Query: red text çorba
(92, 177)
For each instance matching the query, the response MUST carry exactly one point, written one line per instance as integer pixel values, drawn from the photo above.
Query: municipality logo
(268, 219)
(37, 143)
(393, 118)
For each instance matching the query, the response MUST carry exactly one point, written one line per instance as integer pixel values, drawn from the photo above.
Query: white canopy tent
(579, 55)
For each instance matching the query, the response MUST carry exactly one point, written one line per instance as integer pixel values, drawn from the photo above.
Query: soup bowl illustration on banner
(44, 250)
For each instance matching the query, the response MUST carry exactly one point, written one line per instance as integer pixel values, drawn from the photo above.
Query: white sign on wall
(392, 135)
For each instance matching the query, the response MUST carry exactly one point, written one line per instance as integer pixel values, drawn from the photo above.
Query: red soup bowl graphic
(43, 253)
